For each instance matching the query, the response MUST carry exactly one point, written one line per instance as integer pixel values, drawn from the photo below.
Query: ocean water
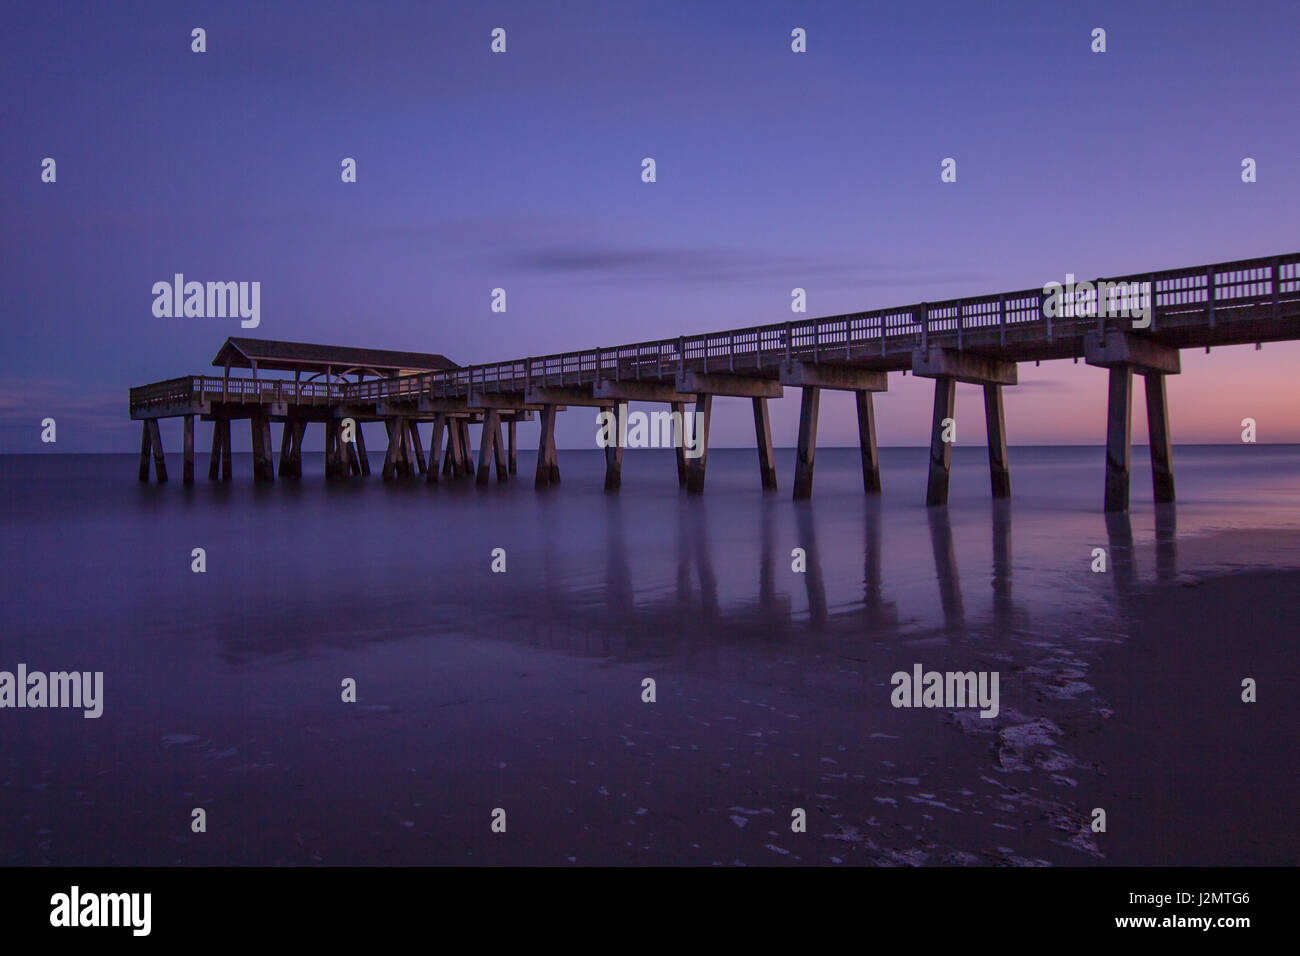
(522, 692)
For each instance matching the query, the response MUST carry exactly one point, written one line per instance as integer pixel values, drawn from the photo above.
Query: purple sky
(522, 170)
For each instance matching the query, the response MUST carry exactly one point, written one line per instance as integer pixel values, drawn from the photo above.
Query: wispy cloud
(574, 250)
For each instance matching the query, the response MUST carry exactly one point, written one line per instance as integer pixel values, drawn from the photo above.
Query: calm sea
(523, 691)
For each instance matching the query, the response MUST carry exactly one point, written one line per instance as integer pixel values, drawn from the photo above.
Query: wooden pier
(978, 340)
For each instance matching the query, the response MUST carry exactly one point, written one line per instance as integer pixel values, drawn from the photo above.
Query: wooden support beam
(285, 468)
(451, 462)
(548, 465)
(763, 434)
(614, 452)
(739, 386)
(435, 449)
(226, 465)
(214, 456)
(703, 413)
(187, 463)
(543, 477)
(510, 432)
(1139, 352)
(865, 405)
(360, 451)
(155, 441)
(466, 450)
(268, 450)
(1162, 462)
(845, 378)
(353, 460)
(499, 454)
(945, 394)
(552, 455)
(260, 432)
(962, 367)
(580, 395)
(634, 391)
(295, 449)
(512, 401)
(487, 442)
(335, 463)
(1118, 437)
(417, 448)
(805, 453)
(679, 443)
(434, 406)
(995, 424)
(146, 445)
(389, 470)
(404, 447)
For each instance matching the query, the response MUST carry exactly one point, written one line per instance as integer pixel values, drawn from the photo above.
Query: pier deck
(1143, 321)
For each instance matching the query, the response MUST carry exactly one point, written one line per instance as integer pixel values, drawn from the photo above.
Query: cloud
(566, 249)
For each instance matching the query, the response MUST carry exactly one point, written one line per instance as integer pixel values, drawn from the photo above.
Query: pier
(1125, 325)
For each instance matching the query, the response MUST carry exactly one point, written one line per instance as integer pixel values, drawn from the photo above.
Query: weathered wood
(763, 435)
(226, 464)
(466, 449)
(945, 395)
(214, 457)
(806, 451)
(146, 445)
(155, 441)
(187, 463)
(1118, 437)
(389, 468)
(406, 443)
(335, 456)
(679, 442)
(842, 377)
(578, 395)
(435, 448)
(614, 450)
(703, 414)
(543, 476)
(1162, 463)
(486, 443)
(260, 432)
(739, 386)
(361, 450)
(353, 459)
(552, 455)
(453, 443)
(634, 391)
(510, 432)
(959, 366)
(995, 424)
(299, 433)
(1138, 352)
(417, 448)
(285, 468)
(864, 403)
(499, 454)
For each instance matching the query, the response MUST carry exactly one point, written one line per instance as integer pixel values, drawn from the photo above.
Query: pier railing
(1201, 296)
(1198, 295)
(198, 389)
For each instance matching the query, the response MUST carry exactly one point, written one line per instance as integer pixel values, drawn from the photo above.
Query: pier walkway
(1134, 324)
